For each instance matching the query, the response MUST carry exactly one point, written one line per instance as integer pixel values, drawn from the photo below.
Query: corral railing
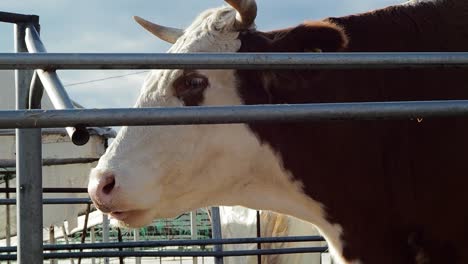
(29, 122)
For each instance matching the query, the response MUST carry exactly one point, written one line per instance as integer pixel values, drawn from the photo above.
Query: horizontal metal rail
(53, 61)
(4, 163)
(54, 87)
(50, 190)
(18, 18)
(52, 201)
(234, 253)
(231, 114)
(176, 243)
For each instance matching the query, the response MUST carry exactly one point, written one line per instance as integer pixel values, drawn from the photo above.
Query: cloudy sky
(107, 26)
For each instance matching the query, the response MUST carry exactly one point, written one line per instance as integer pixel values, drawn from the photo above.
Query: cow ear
(312, 36)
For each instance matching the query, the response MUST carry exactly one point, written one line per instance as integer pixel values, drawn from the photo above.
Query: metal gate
(29, 122)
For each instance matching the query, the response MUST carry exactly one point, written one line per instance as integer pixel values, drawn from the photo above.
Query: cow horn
(167, 34)
(246, 11)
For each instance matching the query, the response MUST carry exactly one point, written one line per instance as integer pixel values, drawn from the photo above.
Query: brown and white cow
(379, 191)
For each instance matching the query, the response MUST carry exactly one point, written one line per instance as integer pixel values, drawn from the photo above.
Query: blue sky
(107, 26)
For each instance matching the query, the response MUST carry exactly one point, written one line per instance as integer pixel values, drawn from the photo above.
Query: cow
(383, 191)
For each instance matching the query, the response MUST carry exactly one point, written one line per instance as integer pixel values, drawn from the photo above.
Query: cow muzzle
(101, 189)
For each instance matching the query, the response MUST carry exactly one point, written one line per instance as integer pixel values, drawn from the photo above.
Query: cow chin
(132, 219)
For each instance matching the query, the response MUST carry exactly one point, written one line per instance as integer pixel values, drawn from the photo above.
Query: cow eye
(190, 88)
(196, 83)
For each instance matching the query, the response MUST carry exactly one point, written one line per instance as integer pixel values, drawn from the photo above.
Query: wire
(105, 79)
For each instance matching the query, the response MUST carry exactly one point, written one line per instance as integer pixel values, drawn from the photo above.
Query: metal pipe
(52, 241)
(50, 162)
(54, 87)
(93, 240)
(51, 201)
(234, 253)
(259, 234)
(48, 190)
(105, 233)
(253, 61)
(193, 231)
(7, 214)
(28, 171)
(85, 228)
(35, 92)
(67, 242)
(177, 243)
(217, 233)
(232, 114)
(18, 18)
(120, 239)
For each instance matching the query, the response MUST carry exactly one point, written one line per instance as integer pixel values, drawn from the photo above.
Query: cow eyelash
(196, 82)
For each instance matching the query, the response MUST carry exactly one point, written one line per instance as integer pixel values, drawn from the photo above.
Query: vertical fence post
(105, 233)
(136, 236)
(7, 222)
(28, 171)
(216, 224)
(194, 231)
(259, 234)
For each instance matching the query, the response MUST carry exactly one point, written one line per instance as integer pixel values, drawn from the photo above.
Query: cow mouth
(131, 218)
(120, 215)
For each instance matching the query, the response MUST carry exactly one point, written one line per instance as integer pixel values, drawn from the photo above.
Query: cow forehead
(212, 31)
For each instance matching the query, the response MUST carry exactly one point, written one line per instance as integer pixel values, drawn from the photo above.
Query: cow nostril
(109, 185)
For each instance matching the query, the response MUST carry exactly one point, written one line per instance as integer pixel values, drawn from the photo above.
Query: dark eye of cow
(190, 87)
(196, 83)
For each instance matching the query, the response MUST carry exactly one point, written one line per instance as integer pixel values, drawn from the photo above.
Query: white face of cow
(160, 172)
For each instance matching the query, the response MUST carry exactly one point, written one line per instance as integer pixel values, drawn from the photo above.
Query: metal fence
(29, 122)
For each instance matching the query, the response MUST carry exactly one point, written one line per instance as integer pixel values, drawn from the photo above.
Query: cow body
(383, 182)
(379, 191)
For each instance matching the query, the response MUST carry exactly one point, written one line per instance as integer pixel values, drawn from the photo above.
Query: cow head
(162, 171)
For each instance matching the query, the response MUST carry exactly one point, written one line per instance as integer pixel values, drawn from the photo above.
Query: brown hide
(398, 188)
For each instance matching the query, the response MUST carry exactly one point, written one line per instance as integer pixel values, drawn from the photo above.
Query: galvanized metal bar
(105, 234)
(54, 87)
(234, 253)
(65, 236)
(14, 18)
(232, 114)
(136, 237)
(93, 240)
(7, 214)
(36, 92)
(51, 201)
(49, 190)
(28, 171)
(51, 162)
(193, 230)
(259, 234)
(88, 61)
(177, 243)
(216, 232)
